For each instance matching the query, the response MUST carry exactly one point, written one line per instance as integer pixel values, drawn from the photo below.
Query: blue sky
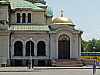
(84, 13)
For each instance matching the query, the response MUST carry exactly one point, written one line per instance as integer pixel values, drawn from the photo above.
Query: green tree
(97, 45)
(91, 45)
(83, 45)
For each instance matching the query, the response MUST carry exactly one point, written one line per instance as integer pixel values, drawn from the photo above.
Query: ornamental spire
(62, 12)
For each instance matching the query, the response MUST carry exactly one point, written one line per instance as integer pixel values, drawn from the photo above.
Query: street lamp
(94, 47)
(94, 65)
(94, 52)
(30, 64)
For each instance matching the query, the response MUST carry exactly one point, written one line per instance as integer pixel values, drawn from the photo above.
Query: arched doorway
(29, 45)
(18, 51)
(41, 49)
(64, 47)
(18, 48)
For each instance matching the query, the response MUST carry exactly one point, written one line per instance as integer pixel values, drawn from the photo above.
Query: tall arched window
(18, 48)
(29, 17)
(18, 18)
(29, 45)
(23, 18)
(41, 49)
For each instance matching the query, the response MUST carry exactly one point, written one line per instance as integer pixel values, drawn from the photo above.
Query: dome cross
(62, 13)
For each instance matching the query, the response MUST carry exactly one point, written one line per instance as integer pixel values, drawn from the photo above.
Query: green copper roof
(4, 2)
(24, 4)
(29, 27)
(49, 12)
(40, 4)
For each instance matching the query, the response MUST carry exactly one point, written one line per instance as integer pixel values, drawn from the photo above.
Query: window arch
(23, 18)
(18, 17)
(29, 45)
(64, 37)
(29, 17)
(41, 48)
(18, 48)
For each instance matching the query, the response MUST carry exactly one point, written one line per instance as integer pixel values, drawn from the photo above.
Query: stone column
(35, 54)
(12, 49)
(35, 49)
(24, 49)
(24, 52)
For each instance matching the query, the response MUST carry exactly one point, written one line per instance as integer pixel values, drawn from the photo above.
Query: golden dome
(62, 20)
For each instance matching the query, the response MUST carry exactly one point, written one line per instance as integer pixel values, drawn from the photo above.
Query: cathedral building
(28, 33)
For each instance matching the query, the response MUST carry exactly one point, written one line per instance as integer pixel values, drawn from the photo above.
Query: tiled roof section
(24, 4)
(29, 27)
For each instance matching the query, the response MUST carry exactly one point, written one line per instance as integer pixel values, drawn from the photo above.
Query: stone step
(69, 63)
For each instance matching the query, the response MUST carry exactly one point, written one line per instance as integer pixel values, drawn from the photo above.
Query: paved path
(49, 71)
(26, 69)
(54, 72)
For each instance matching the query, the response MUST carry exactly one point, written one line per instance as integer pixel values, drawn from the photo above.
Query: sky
(85, 14)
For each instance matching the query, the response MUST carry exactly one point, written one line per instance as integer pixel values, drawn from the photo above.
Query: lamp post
(30, 64)
(95, 52)
(94, 47)
(94, 65)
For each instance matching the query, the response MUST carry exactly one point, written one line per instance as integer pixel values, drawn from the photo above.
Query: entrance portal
(64, 47)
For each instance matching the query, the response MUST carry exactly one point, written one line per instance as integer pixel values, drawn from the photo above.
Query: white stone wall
(80, 44)
(4, 47)
(4, 12)
(53, 47)
(75, 46)
(38, 18)
(12, 18)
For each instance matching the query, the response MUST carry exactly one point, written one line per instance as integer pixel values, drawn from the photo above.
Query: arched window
(29, 45)
(18, 18)
(18, 48)
(41, 49)
(29, 17)
(23, 18)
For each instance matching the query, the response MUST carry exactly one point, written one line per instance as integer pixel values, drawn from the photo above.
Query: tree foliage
(90, 46)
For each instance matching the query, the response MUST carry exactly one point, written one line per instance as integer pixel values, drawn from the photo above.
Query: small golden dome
(62, 20)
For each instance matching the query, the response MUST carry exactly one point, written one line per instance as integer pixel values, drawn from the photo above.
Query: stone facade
(37, 17)
(40, 29)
